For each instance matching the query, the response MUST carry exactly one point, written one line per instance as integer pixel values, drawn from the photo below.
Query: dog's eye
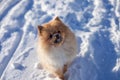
(58, 31)
(50, 36)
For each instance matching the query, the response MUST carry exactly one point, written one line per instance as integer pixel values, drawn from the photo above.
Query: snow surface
(96, 24)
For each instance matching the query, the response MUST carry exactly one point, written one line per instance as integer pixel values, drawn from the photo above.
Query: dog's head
(53, 32)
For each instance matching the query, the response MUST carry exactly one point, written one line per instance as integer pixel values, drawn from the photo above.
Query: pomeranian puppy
(56, 47)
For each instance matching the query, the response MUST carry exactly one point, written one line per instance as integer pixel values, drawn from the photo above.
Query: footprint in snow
(18, 66)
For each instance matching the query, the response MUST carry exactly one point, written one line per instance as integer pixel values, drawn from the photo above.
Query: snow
(96, 24)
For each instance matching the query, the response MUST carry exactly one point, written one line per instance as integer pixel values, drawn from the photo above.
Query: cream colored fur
(54, 57)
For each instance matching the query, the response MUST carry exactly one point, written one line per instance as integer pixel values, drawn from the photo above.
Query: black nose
(57, 36)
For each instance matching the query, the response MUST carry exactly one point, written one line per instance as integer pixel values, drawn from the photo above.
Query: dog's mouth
(57, 38)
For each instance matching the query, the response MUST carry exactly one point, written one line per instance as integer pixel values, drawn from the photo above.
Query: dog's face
(53, 32)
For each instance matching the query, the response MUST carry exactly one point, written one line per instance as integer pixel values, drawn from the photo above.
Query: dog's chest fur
(57, 56)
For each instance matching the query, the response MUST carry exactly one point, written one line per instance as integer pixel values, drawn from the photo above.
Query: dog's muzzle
(57, 38)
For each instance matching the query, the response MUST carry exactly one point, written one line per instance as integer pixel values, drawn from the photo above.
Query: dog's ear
(57, 18)
(40, 29)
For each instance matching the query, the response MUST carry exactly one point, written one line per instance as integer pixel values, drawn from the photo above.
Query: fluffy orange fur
(56, 47)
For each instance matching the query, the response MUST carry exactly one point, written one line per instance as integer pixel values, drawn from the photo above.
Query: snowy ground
(96, 24)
